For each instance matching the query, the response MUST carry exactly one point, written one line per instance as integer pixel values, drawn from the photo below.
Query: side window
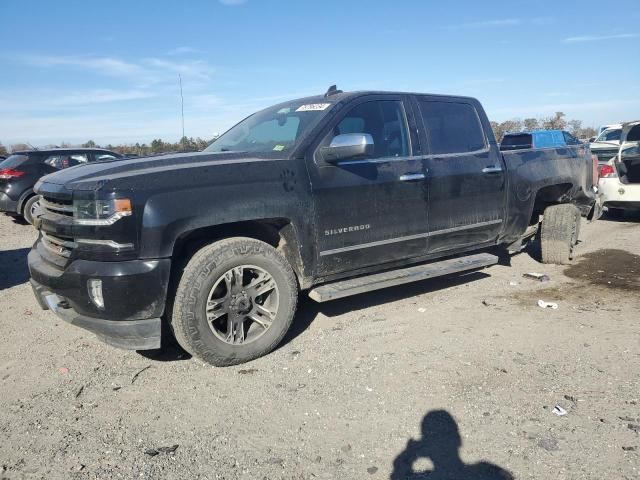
(452, 127)
(384, 120)
(61, 161)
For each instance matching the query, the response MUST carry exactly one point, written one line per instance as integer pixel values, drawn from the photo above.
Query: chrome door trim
(407, 238)
(409, 177)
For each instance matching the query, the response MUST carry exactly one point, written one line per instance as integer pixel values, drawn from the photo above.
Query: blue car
(537, 139)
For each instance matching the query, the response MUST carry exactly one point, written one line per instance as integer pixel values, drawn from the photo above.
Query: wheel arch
(549, 195)
(26, 195)
(278, 232)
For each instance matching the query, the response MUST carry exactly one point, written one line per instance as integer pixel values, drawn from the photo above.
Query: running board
(354, 286)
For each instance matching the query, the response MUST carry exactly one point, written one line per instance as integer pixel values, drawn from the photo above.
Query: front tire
(559, 233)
(235, 301)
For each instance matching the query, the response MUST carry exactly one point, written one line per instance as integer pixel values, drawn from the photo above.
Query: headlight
(100, 212)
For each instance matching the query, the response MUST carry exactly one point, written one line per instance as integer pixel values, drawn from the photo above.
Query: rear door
(370, 211)
(467, 181)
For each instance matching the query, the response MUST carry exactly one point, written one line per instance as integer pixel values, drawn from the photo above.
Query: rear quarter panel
(531, 170)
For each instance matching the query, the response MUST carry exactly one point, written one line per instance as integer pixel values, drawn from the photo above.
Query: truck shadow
(13, 270)
(440, 443)
(308, 310)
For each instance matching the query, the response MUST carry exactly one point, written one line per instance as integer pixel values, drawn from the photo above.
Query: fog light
(94, 286)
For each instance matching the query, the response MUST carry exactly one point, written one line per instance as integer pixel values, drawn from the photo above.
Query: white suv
(607, 143)
(620, 176)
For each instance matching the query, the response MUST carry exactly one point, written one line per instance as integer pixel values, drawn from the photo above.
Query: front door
(466, 175)
(370, 211)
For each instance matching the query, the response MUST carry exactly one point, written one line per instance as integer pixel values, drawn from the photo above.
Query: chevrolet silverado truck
(332, 195)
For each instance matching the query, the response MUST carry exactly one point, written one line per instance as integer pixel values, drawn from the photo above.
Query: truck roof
(340, 95)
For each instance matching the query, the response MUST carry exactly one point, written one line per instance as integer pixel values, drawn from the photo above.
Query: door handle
(492, 169)
(411, 177)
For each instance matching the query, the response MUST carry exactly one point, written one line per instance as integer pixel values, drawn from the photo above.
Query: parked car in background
(607, 127)
(606, 145)
(21, 170)
(620, 176)
(537, 139)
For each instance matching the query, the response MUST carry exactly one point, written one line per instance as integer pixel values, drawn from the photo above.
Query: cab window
(384, 120)
(452, 127)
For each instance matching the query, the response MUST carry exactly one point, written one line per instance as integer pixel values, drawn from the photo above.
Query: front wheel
(559, 233)
(31, 207)
(235, 301)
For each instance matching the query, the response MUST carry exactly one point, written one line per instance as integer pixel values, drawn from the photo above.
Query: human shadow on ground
(441, 443)
(13, 267)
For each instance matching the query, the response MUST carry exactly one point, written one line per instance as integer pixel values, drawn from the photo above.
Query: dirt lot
(363, 388)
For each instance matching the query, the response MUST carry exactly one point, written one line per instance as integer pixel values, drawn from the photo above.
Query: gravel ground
(460, 375)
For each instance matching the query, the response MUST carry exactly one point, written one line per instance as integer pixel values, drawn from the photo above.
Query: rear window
(13, 161)
(516, 142)
(452, 127)
(549, 139)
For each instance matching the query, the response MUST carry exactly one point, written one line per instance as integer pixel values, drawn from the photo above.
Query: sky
(71, 71)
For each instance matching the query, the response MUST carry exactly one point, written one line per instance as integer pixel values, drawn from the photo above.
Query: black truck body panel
(336, 220)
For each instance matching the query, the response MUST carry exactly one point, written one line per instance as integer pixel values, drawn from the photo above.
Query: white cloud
(182, 51)
(145, 71)
(598, 38)
(39, 100)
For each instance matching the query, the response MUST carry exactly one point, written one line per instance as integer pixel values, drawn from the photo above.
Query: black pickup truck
(335, 195)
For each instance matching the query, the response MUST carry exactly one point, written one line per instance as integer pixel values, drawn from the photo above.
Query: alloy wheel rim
(242, 304)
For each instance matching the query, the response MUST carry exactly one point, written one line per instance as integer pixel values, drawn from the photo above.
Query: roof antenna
(333, 90)
(182, 108)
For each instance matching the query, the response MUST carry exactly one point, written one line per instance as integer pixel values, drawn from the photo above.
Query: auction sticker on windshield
(313, 107)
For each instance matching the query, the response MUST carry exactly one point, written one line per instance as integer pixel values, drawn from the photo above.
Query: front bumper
(7, 205)
(134, 295)
(127, 334)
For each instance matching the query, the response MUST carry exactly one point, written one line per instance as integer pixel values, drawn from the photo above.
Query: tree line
(557, 122)
(190, 144)
(186, 144)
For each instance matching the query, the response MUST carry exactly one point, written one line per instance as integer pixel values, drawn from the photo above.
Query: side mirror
(348, 145)
(592, 139)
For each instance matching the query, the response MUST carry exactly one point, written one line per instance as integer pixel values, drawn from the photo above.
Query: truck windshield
(611, 135)
(276, 129)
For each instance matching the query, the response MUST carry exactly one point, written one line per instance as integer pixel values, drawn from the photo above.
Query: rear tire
(219, 313)
(30, 206)
(559, 234)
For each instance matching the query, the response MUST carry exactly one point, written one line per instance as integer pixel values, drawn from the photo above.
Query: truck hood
(94, 176)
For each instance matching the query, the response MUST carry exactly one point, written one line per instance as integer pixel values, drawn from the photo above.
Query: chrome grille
(62, 246)
(56, 206)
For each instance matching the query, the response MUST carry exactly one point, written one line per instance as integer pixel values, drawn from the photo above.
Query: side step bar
(354, 286)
